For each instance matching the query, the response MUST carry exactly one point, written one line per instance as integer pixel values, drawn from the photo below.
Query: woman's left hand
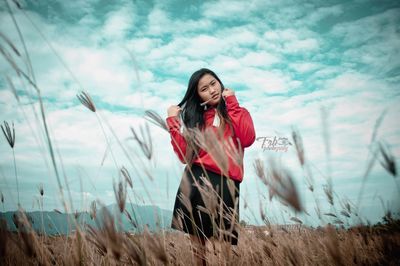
(227, 92)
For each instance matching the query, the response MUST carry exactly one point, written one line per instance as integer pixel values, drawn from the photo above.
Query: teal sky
(286, 61)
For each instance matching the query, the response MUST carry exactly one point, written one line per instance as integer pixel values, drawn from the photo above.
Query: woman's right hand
(174, 110)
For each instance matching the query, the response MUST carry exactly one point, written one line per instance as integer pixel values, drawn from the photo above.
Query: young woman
(209, 131)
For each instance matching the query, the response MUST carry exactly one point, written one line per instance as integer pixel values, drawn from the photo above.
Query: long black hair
(192, 111)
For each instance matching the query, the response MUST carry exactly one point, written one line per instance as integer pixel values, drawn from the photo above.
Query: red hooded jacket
(243, 128)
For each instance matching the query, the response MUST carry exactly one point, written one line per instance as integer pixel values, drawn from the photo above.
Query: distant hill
(61, 223)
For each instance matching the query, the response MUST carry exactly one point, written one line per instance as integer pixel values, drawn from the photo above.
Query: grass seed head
(155, 118)
(282, 184)
(9, 133)
(120, 194)
(41, 190)
(127, 176)
(93, 210)
(298, 142)
(145, 142)
(86, 100)
(389, 161)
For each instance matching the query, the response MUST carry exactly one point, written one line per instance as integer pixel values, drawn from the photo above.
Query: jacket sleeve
(177, 140)
(241, 121)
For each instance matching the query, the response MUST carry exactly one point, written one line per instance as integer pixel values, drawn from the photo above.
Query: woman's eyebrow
(208, 83)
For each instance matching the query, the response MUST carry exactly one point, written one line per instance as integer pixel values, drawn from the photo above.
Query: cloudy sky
(326, 66)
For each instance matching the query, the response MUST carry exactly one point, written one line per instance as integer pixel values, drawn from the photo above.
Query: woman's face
(209, 89)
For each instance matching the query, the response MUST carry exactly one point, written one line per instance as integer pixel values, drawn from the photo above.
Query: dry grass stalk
(133, 222)
(208, 194)
(378, 122)
(186, 202)
(41, 190)
(106, 238)
(86, 100)
(3, 238)
(262, 213)
(9, 42)
(296, 220)
(329, 193)
(120, 194)
(209, 141)
(232, 216)
(156, 119)
(12, 63)
(258, 165)
(76, 214)
(332, 246)
(345, 213)
(338, 221)
(146, 144)
(292, 256)
(94, 236)
(27, 239)
(9, 133)
(389, 161)
(283, 186)
(93, 210)
(298, 141)
(231, 187)
(136, 251)
(157, 246)
(127, 176)
(17, 4)
(366, 173)
(236, 154)
(31, 79)
(346, 207)
(330, 214)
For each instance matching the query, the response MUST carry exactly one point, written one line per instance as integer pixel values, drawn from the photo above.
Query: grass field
(377, 245)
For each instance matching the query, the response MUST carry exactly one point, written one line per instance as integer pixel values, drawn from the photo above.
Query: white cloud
(224, 64)
(203, 46)
(305, 67)
(322, 13)
(238, 36)
(143, 45)
(178, 65)
(301, 45)
(159, 22)
(281, 35)
(372, 27)
(119, 22)
(259, 81)
(226, 10)
(259, 59)
(290, 40)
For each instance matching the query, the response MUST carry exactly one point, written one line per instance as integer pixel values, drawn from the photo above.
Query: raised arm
(241, 120)
(177, 140)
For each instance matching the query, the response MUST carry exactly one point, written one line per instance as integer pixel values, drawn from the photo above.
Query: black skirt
(207, 204)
